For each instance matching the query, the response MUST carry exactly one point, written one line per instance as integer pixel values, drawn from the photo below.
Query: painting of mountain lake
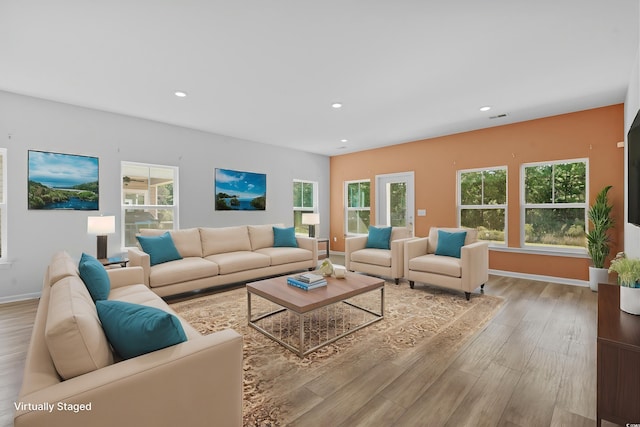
(240, 191)
(63, 181)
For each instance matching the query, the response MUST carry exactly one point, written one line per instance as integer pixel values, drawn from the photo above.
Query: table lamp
(311, 219)
(101, 226)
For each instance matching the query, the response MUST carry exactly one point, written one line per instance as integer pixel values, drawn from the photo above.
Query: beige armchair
(466, 273)
(378, 262)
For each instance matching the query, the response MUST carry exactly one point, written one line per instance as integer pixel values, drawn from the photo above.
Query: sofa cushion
(381, 257)
(140, 294)
(284, 237)
(160, 248)
(187, 241)
(95, 277)
(61, 266)
(436, 264)
(261, 236)
(232, 262)
(224, 239)
(182, 270)
(472, 236)
(73, 334)
(450, 244)
(379, 237)
(281, 256)
(135, 329)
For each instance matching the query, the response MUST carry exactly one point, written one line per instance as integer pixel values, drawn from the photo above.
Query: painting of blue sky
(62, 181)
(238, 190)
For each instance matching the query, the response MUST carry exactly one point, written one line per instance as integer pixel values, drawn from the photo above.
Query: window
(482, 202)
(305, 200)
(358, 212)
(554, 208)
(3, 204)
(149, 199)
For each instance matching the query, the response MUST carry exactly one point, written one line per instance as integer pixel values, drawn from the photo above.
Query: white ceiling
(269, 70)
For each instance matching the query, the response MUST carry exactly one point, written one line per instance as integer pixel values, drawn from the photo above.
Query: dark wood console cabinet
(618, 360)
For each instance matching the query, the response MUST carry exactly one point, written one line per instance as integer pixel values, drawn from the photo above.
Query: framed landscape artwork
(240, 191)
(62, 181)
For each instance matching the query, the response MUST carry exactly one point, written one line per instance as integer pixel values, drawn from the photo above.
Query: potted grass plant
(598, 238)
(628, 270)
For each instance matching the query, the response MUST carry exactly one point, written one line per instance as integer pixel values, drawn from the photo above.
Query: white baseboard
(16, 298)
(541, 278)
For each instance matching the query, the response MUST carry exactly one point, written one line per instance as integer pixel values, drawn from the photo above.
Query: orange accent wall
(591, 134)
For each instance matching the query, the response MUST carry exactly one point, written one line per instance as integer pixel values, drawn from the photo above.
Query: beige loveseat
(219, 256)
(378, 262)
(466, 273)
(195, 383)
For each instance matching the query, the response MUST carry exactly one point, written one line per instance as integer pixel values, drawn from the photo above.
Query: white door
(395, 199)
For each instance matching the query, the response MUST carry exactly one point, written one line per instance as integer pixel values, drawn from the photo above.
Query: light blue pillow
(379, 237)
(134, 329)
(160, 248)
(450, 244)
(284, 237)
(95, 277)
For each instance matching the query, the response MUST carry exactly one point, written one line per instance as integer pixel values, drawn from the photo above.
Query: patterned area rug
(412, 317)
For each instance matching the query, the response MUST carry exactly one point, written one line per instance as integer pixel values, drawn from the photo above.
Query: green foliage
(259, 203)
(598, 239)
(628, 270)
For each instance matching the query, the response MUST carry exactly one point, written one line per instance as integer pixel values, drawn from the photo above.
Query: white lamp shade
(101, 225)
(310, 218)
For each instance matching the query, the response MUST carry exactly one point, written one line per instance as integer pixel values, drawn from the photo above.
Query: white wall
(28, 123)
(631, 107)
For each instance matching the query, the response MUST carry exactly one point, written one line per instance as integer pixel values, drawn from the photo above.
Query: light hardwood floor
(534, 364)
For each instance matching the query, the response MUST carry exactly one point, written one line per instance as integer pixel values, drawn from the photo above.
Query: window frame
(348, 209)
(4, 213)
(504, 206)
(524, 206)
(304, 209)
(124, 207)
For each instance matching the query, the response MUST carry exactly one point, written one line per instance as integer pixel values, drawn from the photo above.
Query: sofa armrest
(475, 265)
(310, 244)
(397, 256)
(138, 258)
(352, 244)
(189, 384)
(414, 248)
(126, 276)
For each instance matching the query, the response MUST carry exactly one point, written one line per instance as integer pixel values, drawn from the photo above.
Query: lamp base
(102, 247)
(312, 230)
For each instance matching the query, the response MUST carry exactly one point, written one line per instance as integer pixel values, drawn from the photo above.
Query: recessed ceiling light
(485, 108)
(336, 105)
(180, 94)
(343, 140)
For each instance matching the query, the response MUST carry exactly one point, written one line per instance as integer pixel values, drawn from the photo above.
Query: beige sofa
(378, 262)
(195, 383)
(466, 273)
(220, 256)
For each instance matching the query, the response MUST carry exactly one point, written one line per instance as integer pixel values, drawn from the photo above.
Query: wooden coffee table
(324, 311)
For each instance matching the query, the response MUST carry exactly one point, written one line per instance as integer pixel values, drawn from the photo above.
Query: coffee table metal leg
(301, 322)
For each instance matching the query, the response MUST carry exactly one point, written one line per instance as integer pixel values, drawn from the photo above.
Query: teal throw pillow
(134, 329)
(95, 277)
(160, 248)
(450, 244)
(379, 237)
(284, 237)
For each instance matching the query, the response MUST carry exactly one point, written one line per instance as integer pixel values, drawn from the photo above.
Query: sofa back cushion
(187, 241)
(261, 236)
(472, 236)
(73, 333)
(61, 266)
(224, 239)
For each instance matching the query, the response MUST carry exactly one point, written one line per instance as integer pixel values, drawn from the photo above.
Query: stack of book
(307, 281)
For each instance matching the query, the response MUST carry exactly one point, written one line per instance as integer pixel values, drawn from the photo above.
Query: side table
(324, 240)
(114, 261)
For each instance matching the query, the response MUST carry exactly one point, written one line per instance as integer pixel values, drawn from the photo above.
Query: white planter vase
(630, 300)
(597, 275)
